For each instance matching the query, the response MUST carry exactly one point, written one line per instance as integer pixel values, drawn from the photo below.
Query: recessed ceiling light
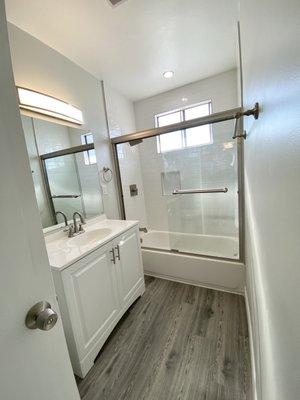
(184, 99)
(228, 145)
(168, 74)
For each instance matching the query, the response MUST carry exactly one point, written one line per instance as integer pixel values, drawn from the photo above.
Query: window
(199, 136)
(89, 155)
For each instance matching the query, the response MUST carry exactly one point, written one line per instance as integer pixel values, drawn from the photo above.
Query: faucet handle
(81, 230)
(71, 231)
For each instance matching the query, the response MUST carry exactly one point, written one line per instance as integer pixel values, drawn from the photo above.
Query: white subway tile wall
(121, 120)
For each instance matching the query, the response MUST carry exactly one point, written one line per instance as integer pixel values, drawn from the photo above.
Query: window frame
(183, 131)
(86, 154)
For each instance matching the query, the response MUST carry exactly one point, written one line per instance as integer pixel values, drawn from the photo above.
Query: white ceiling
(131, 45)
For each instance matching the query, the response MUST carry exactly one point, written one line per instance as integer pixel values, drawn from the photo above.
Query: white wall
(221, 89)
(36, 170)
(41, 68)
(209, 214)
(121, 121)
(121, 118)
(271, 68)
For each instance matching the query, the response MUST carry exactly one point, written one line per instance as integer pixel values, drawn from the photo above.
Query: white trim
(251, 348)
(184, 108)
(87, 153)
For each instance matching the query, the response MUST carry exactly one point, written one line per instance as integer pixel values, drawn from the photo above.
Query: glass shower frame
(55, 154)
(232, 114)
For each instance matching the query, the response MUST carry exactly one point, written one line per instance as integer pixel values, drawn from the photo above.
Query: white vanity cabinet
(128, 262)
(94, 292)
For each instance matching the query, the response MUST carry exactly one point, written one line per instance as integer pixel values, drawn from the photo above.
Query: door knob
(41, 316)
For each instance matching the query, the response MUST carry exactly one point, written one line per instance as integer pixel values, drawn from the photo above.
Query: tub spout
(145, 230)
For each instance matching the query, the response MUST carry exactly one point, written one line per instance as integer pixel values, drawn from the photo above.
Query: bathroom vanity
(97, 275)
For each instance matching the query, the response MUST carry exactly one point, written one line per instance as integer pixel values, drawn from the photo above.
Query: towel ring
(107, 174)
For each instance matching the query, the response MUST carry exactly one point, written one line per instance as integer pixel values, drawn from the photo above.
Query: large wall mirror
(64, 170)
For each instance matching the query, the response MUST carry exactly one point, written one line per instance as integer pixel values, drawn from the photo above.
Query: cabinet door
(130, 268)
(92, 297)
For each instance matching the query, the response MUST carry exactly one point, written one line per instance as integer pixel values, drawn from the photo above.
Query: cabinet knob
(41, 316)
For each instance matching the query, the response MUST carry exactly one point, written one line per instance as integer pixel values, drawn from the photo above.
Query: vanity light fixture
(168, 74)
(48, 105)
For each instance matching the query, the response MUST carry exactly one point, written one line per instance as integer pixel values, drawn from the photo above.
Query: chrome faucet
(145, 230)
(64, 217)
(78, 228)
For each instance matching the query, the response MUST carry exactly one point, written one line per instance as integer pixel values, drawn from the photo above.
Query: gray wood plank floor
(176, 342)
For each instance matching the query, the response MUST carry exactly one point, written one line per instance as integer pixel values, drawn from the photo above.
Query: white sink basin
(89, 237)
(63, 251)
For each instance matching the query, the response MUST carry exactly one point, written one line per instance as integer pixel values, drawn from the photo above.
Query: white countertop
(64, 251)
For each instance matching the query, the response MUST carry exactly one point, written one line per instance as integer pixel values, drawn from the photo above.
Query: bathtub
(161, 259)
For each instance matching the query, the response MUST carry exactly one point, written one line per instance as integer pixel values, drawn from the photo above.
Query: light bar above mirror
(48, 105)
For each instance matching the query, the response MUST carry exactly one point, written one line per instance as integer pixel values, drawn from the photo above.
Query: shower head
(116, 2)
(135, 142)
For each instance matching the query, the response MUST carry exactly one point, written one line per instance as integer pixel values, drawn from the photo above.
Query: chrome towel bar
(191, 191)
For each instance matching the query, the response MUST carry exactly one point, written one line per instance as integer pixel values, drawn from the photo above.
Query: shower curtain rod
(234, 113)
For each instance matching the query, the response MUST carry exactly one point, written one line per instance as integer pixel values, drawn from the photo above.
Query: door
(129, 263)
(91, 292)
(34, 364)
(200, 188)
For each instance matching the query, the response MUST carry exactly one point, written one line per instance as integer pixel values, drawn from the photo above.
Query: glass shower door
(187, 189)
(64, 185)
(204, 223)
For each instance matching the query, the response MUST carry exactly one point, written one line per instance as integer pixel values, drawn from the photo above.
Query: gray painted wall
(271, 67)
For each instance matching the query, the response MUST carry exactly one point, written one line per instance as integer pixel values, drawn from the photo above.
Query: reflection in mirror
(66, 183)
(74, 186)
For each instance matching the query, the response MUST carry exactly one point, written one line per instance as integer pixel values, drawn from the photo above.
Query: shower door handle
(192, 191)
(65, 196)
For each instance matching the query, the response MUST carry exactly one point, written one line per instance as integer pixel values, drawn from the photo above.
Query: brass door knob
(41, 316)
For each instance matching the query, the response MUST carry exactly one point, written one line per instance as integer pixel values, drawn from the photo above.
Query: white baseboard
(251, 347)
